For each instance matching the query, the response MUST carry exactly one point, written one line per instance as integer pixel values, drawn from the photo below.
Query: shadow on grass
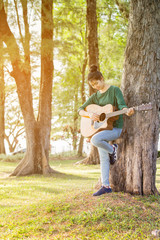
(61, 175)
(56, 174)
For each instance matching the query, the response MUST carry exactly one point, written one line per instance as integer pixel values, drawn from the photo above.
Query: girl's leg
(101, 139)
(104, 165)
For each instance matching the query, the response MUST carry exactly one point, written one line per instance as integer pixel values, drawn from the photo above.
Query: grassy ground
(62, 207)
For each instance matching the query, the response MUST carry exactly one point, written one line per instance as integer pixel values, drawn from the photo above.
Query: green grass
(62, 206)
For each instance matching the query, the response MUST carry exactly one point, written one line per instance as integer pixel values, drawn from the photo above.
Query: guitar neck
(116, 113)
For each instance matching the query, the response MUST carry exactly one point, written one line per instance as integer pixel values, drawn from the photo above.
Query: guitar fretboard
(116, 113)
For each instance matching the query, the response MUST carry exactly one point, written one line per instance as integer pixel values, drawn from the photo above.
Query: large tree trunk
(45, 109)
(92, 33)
(93, 51)
(36, 159)
(135, 170)
(2, 101)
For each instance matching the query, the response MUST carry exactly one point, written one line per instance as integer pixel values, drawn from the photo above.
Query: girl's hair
(94, 74)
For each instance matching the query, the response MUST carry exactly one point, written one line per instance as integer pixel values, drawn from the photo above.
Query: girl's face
(97, 84)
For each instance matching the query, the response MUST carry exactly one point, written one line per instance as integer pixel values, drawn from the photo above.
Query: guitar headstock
(144, 107)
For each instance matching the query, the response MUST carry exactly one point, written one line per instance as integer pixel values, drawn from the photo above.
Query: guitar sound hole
(102, 117)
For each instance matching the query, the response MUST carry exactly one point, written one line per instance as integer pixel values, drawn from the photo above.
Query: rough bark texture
(80, 146)
(93, 52)
(36, 159)
(2, 101)
(135, 170)
(45, 111)
(92, 32)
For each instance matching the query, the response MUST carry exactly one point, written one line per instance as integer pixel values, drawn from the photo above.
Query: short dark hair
(94, 74)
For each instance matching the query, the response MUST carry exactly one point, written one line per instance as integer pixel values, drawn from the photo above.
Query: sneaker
(102, 190)
(113, 156)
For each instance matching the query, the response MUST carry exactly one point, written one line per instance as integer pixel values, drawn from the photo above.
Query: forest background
(122, 215)
(70, 65)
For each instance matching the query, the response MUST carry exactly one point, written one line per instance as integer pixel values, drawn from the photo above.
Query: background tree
(14, 124)
(15, 133)
(136, 168)
(37, 131)
(2, 100)
(93, 55)
(66, 106)
(71, 53)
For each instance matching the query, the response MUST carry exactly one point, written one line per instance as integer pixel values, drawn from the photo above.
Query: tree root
(87, 161)
(26, 167)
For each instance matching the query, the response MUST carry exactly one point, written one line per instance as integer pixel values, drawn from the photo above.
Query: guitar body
(107, 116)
(89, 127)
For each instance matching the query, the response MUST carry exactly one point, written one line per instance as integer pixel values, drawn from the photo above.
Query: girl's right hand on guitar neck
(94, 116)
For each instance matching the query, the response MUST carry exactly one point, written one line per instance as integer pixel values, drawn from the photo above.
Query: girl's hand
(130, 112)
(94, 116)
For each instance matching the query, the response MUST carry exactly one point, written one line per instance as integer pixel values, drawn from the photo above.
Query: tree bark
(93, 52)
(92, 33)
(80, 146)
(36, 159)
(45, 110)
(135, 170)
(2, 101)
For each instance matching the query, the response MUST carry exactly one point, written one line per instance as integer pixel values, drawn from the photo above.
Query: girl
(105, 94)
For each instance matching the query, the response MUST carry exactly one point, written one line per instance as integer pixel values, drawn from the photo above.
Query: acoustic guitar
(107, 116)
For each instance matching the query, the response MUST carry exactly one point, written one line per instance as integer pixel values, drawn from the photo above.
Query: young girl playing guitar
(105, 94)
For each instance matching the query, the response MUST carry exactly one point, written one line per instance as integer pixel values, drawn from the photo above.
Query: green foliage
(112, 41)
(70, 51)
(65, 106)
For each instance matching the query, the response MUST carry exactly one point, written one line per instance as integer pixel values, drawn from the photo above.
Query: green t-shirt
(113, 96)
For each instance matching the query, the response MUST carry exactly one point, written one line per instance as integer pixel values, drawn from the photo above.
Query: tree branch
(18, 21)
(27, 36)
(123, 8)
(7, 36)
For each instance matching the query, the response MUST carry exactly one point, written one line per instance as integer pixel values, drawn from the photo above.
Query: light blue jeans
(100, 140)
